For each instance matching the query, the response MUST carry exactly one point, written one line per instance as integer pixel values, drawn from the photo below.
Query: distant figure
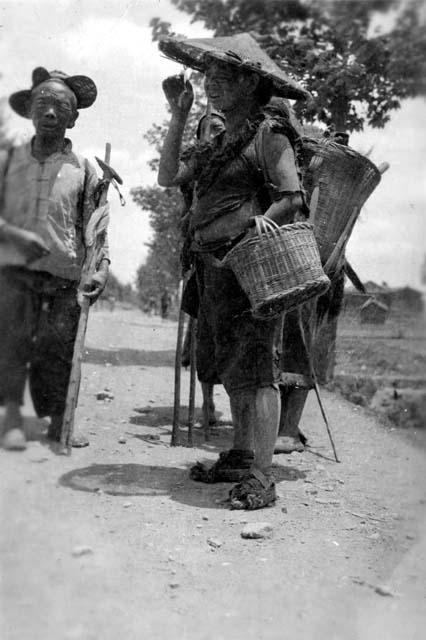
(165, 303)
(152, 306)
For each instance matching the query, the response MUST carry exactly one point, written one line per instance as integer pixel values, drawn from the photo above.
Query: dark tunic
(234, 348)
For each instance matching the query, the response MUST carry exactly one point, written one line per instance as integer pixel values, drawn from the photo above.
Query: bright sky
(111, 42)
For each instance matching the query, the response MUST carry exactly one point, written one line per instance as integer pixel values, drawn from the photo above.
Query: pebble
(384, 591)
(77, 552)
(214, 543)
(174, 585)
(255, 530)
(127, 504)
(104, 395)
(205, 517)
(122, 440)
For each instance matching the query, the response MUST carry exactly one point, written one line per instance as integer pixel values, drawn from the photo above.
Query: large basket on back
(279, 268)
(338, 181)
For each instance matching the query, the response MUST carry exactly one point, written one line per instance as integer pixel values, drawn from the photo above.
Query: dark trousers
(233, 348)
(39, 316)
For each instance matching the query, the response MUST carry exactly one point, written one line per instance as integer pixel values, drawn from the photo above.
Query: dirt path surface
(116, 542)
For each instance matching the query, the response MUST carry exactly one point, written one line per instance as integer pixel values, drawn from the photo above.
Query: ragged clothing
(233, 347)
(54, 198)
(39, 316)
(235, 183)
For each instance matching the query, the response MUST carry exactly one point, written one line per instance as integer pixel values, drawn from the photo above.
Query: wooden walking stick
(178, 356)
(178, 366)
(95, 235)
(192, 378)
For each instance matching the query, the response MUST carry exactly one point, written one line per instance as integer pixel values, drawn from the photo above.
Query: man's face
(223, 86)
(53, 109)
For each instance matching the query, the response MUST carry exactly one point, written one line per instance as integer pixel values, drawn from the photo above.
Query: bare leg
(243, 410)
(289, 436)
(257, 488)
(265, 428)
(208, 402)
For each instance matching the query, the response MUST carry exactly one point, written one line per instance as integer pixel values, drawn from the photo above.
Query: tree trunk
(339, 112)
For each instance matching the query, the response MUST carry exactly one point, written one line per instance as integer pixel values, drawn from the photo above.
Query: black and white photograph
(212, 319)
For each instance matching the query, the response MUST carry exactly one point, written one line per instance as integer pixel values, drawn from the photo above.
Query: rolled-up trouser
(233, 348)
(39, 316)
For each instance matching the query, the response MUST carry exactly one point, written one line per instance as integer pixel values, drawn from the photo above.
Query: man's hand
(94, 288)
(28, 243)
(179, 94)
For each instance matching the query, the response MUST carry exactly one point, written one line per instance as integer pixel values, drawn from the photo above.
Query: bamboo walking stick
(88, 270)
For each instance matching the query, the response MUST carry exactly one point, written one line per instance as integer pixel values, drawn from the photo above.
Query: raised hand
(179, 94)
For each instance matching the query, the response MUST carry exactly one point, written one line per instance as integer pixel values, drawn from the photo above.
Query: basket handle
(266, 225)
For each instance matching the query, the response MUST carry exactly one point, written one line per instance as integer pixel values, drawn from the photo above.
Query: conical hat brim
(241, 51)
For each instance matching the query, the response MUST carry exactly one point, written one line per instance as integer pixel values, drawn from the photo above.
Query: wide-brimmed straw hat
(240, 50)
(83, 87)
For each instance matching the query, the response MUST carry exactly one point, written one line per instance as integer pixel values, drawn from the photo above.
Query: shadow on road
(161, 416)
(144, 480)
(129, 357)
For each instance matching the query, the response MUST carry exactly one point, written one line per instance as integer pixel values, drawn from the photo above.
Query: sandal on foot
(232, 466)
(14, 440)
(254, 492)
(288, 444)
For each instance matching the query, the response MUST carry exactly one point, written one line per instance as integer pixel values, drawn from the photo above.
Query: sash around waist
(228, 226)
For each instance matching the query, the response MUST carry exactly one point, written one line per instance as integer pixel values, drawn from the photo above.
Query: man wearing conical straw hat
(248, 170)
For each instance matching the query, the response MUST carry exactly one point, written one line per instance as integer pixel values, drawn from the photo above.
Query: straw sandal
(232, 466)
(254, 492)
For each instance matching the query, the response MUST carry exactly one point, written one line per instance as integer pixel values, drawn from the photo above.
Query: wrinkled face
(53, 108)
(224, 86)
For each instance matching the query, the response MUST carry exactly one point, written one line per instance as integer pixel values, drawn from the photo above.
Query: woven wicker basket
(279, 268)
(338, 180)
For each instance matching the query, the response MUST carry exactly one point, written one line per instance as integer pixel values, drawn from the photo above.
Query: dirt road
(116, 542)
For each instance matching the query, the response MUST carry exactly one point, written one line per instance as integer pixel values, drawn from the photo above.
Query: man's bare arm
(180, 96)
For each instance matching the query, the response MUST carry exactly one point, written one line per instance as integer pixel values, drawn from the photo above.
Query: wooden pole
(314, 378)
(192, 379)
(75, 375)
(178, 367)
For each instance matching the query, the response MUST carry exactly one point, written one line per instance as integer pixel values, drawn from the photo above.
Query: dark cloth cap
(83, 88)
(240, 50)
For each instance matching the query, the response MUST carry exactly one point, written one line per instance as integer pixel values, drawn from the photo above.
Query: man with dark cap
(249, 170)
(47, 196)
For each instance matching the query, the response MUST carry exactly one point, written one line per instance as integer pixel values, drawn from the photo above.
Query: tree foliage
(162, 268)
(356, 77)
